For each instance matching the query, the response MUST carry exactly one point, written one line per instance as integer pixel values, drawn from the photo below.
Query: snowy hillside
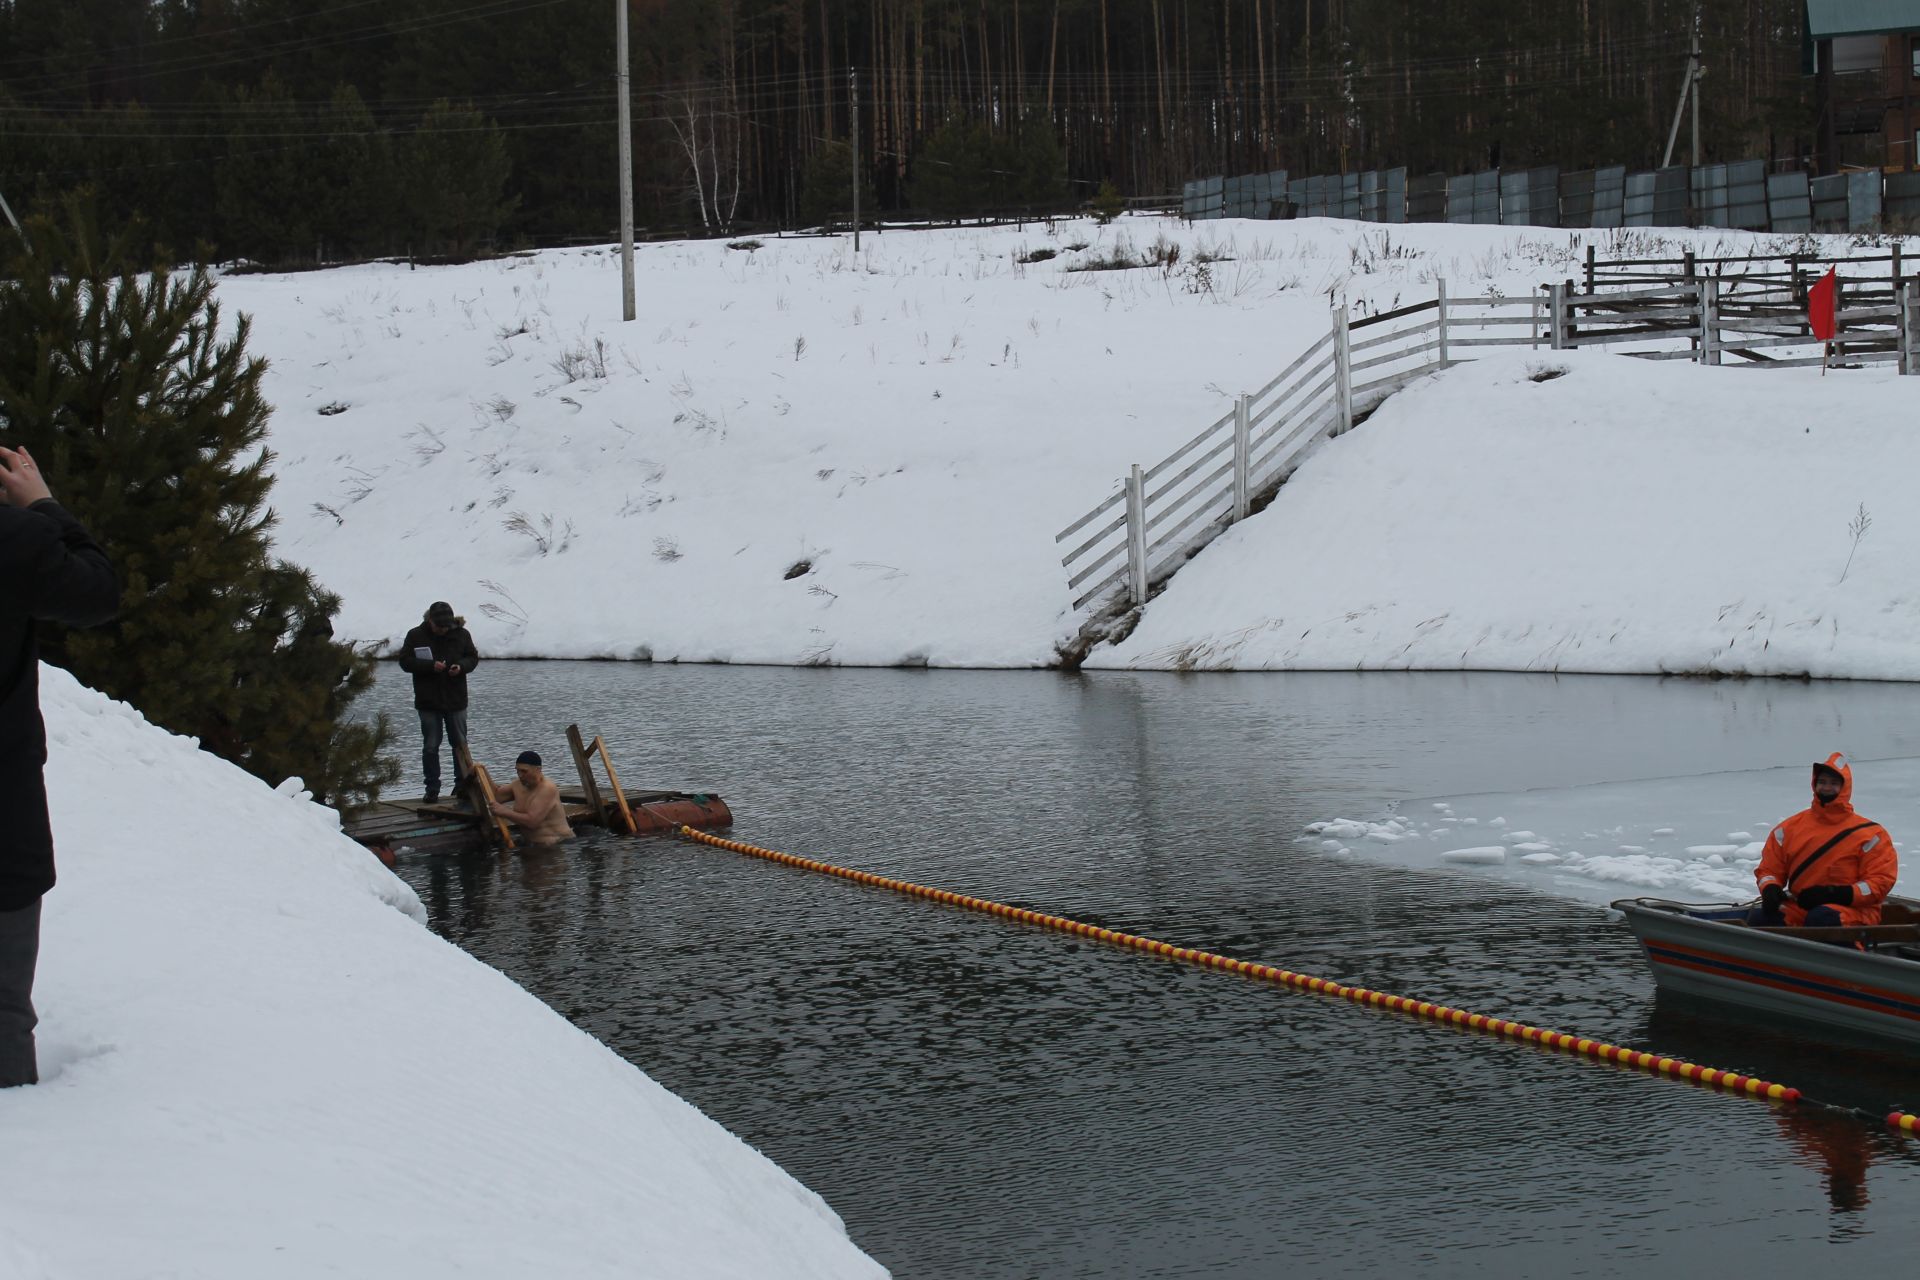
(257, 1062)
(794, 456)
(1622, 516)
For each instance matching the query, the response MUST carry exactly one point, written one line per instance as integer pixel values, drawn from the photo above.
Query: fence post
(1589, 268)
(1342, 371)
(1440, 287)
(1694, 280)
(1709, 320)
(1556, 299)
(1137, 534)
(1241, 419)
(1907, 301)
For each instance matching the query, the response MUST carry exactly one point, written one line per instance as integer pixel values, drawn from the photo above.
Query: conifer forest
(290, 130)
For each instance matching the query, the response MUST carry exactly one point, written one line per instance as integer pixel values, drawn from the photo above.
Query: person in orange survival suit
(1826, 865)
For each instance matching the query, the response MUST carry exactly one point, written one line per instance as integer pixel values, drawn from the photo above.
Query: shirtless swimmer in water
(532, 802)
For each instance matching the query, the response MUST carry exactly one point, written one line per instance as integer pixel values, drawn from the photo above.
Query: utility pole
(626, 166)
(1690, 87)
(853, 92)
(1698, 70)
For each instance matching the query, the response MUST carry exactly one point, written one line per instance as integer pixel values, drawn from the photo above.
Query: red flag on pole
(1820, 308)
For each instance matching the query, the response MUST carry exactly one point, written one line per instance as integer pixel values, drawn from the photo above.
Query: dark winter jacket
(437, 690)
(50, 570)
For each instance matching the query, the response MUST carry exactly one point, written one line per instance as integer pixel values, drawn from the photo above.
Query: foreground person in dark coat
(439, 653)
(50, 570)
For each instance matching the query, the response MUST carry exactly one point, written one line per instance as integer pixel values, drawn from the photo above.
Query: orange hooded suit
(1863, 859)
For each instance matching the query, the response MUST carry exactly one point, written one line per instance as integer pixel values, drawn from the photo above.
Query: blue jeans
(432, 725)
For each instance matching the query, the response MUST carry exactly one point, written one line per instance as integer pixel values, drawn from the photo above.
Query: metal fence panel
(1709, 192)
(1576, 199)
(1670, 196)
(1318, 198)
(1609, 196)
(1371, 196)
(1747, 195)
(1543, 188)
(1830, 203)
(1460, 198)
(1350, 195)
(1863, 200)
(1637, 200)
(1516, 205)
(1202, 197)
(1486, 198)
(1427, 197)
(1236, 199)
(1278, 205)
(1901, 201)
(1394, 196)
(1789, 202)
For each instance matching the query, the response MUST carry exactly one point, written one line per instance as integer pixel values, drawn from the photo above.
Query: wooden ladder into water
(590, 786)
(484, 797)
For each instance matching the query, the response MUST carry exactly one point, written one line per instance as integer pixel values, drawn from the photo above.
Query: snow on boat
(1862, 979)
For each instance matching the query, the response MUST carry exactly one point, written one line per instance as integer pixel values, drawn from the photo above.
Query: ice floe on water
(1689, 838)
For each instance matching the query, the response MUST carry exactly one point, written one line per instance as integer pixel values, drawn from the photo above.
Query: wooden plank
(1088, 570)
(1845, 933)
(1118, 522)
(1431, 304)
(619, 793)
(1188, 447)
(485, 798)
(1293, 368)
(1432, 344)
(589, 788)
(1431, 326)
(1081, 523)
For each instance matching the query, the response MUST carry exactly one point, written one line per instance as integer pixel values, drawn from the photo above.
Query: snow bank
(794, 456)
(1629, 516)
(258, 1063)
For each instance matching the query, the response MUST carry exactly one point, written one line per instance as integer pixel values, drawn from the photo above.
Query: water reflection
(980, 1099)
(1839, 1147)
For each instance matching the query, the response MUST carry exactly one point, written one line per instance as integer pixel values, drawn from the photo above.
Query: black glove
(1824, 895)
(1771, 897)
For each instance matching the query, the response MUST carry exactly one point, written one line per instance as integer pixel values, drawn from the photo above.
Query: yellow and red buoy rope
(1600, 1051)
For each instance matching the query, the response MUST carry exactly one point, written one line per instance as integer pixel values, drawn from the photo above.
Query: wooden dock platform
(414, 826)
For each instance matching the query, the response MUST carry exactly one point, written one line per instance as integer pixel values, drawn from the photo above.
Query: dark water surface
(981, 1099)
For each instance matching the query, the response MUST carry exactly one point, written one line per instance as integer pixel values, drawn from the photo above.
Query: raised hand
(21, 483)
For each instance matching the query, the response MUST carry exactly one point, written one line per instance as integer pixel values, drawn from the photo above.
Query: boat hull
(1691, 951)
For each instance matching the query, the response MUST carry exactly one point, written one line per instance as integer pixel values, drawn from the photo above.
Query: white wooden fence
(1162, 515)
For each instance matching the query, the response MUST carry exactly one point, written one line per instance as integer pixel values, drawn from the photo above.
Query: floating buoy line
(1425, 1010)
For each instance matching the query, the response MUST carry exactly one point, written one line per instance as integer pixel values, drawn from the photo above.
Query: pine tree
(149, 420)
(268, 191)
(456, 180)
(359, 205)
(828, 190)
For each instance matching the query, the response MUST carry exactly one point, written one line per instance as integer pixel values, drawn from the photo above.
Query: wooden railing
(1162, 515)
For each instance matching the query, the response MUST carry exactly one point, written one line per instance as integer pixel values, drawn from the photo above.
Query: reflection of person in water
(1838, 1146)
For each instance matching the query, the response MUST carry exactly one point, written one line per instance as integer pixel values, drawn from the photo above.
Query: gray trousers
(19, 949)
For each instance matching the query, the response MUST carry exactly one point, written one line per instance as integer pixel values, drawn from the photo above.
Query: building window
(1914, 49)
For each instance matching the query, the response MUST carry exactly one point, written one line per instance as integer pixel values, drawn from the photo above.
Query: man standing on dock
(439, 653)
(50, 571)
